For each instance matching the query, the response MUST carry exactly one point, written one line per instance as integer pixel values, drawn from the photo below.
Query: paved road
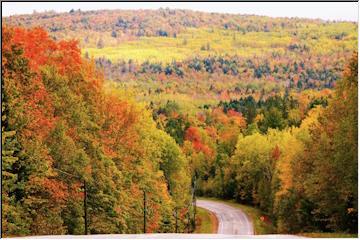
(231, 220)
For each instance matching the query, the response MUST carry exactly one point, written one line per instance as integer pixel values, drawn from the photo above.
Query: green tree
(273, 119)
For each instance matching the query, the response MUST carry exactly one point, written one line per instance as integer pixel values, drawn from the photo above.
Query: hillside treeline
(129, 24)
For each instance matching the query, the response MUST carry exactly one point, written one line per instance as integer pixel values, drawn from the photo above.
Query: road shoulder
(206, 221)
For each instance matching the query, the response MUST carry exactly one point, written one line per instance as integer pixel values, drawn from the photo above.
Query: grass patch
(262, 223)
(329, 235)
(206, 221)
(192, 42)
(215, 41)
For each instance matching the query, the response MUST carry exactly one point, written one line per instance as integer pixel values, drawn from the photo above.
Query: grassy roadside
(328, 235)
(206, 222)
(262, 224)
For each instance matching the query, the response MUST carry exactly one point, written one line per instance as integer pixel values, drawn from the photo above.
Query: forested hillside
(257, 109)
(191, 51)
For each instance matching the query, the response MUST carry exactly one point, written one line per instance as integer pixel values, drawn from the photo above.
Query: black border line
(164, 1)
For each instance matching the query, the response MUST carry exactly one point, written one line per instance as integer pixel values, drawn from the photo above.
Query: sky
(347, 11)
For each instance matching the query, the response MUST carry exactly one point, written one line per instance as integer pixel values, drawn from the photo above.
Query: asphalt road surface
(231, 220)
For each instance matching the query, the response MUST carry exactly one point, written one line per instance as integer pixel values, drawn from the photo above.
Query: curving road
(231, 220)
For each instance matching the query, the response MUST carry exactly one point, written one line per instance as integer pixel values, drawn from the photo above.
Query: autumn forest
(174, 105)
